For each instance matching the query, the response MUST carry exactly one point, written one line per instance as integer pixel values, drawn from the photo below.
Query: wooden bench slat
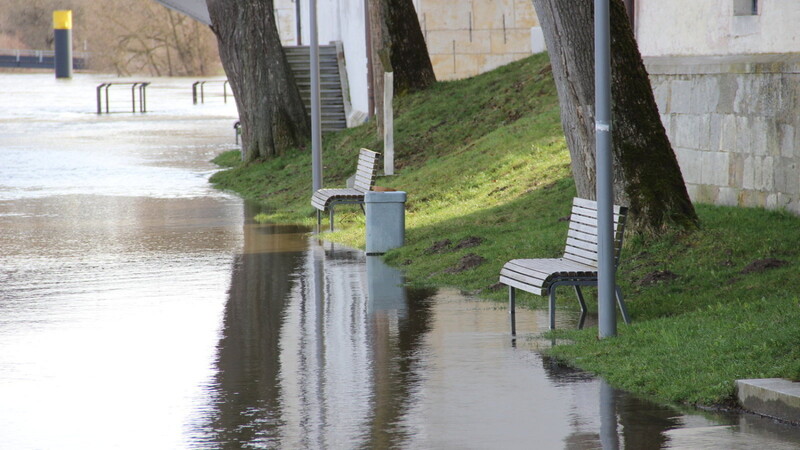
(575, 234)
(591, 204)
(522, 286)
(561, 266)
(533, 281)
(588, 254)
(589, 213)
(590, 246)
(365, 166)
(520, 265)
(589, 228)
(580, 259)
(364, 180)
(549, 265)
(515, 271)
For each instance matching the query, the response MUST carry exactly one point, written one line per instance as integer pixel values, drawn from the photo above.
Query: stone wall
(733, 122)
(468, 37)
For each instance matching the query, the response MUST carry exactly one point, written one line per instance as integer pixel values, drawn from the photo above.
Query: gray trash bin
(386, 221)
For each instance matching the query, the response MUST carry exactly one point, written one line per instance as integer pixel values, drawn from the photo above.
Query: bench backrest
(365, 173)
(582, 237)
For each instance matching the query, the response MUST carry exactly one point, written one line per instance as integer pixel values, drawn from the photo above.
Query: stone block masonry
(732, 121)
(468, 37)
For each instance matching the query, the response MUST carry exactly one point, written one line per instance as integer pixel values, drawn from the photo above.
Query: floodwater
(140, 308)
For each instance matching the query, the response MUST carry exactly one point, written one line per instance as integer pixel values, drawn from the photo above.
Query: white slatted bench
(365, 176)
(578, 266)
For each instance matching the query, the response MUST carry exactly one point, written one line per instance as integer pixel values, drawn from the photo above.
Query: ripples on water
(140, 308)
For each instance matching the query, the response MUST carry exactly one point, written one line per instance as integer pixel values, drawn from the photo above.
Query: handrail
(141, 86)
(19, 52)
(202, 90)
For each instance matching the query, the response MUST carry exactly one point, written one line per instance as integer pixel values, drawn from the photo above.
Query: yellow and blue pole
(62, 28)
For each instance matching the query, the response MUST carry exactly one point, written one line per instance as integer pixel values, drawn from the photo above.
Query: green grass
(486, 158)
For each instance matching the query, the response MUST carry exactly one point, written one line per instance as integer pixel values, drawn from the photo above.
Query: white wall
(709, 27)
(344, 21)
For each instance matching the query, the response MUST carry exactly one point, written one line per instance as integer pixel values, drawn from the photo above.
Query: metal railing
(37, 58)
(141, 86)
(40, 54)
(202, 90)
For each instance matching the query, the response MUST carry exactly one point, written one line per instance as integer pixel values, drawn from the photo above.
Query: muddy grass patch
(468, 262)
(762, 265)
(659, 276)
(446, 245)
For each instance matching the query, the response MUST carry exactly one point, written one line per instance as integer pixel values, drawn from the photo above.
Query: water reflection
(246, 396)
(323, 347)
(116, 329)
(308, 359)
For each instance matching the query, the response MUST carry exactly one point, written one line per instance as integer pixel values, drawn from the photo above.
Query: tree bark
(271, 112)
(398, 46)
(647, 177)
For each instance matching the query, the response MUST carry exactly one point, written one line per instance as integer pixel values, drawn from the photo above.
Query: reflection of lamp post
(607, 313)
(609, 439)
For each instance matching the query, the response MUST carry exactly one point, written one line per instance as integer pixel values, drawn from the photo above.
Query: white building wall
(345, 21)
(710, 27)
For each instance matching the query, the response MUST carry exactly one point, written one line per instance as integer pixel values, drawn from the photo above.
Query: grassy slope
(486, 158)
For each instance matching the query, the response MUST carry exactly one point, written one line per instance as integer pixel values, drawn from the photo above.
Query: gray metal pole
(607, 314)
(316, 116)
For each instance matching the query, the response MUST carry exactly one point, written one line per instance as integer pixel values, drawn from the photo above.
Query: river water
(140, 308)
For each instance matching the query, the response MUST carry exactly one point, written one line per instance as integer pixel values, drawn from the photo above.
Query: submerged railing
(140, 86)
(202, 84)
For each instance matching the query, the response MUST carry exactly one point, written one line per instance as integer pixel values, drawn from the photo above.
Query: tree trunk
(271, 112)
(398, 46)
(647, 177)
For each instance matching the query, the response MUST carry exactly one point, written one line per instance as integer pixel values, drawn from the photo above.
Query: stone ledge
(778, 63)
(771, 397)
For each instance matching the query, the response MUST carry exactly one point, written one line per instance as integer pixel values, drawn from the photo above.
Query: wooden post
(388, 124)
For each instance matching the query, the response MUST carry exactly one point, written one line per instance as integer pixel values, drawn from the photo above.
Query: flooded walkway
(140, 308)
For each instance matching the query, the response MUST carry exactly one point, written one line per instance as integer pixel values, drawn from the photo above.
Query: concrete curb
(772, 397)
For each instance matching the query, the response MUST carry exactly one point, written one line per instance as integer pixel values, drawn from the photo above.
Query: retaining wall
(734, 123)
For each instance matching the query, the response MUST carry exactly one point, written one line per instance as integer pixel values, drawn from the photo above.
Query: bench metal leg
(319, 219)
(582, 320)
(552, 307)
(622, 308)
(330, 219)
(512, 304)
(579, 293)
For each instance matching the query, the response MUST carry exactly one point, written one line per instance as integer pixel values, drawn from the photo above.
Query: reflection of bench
(578, 266)
(365, 175)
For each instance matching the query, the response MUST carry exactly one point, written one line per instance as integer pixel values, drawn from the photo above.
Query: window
(745, 7)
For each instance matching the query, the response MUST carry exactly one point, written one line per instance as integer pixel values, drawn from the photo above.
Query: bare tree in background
(647, 177)
(123, 36)
(145, 37)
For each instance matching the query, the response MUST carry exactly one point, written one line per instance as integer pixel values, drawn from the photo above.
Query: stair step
(331, 99)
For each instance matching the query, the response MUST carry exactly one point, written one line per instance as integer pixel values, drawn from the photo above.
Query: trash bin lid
(385, 197)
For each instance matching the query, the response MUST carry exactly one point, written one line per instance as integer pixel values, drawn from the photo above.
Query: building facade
(464, 37)
(726, 77)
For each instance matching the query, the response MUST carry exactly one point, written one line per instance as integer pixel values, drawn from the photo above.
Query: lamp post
(316, 116)
(607, 314)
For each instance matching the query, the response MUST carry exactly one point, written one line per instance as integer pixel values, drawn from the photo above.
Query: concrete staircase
(332, 100)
